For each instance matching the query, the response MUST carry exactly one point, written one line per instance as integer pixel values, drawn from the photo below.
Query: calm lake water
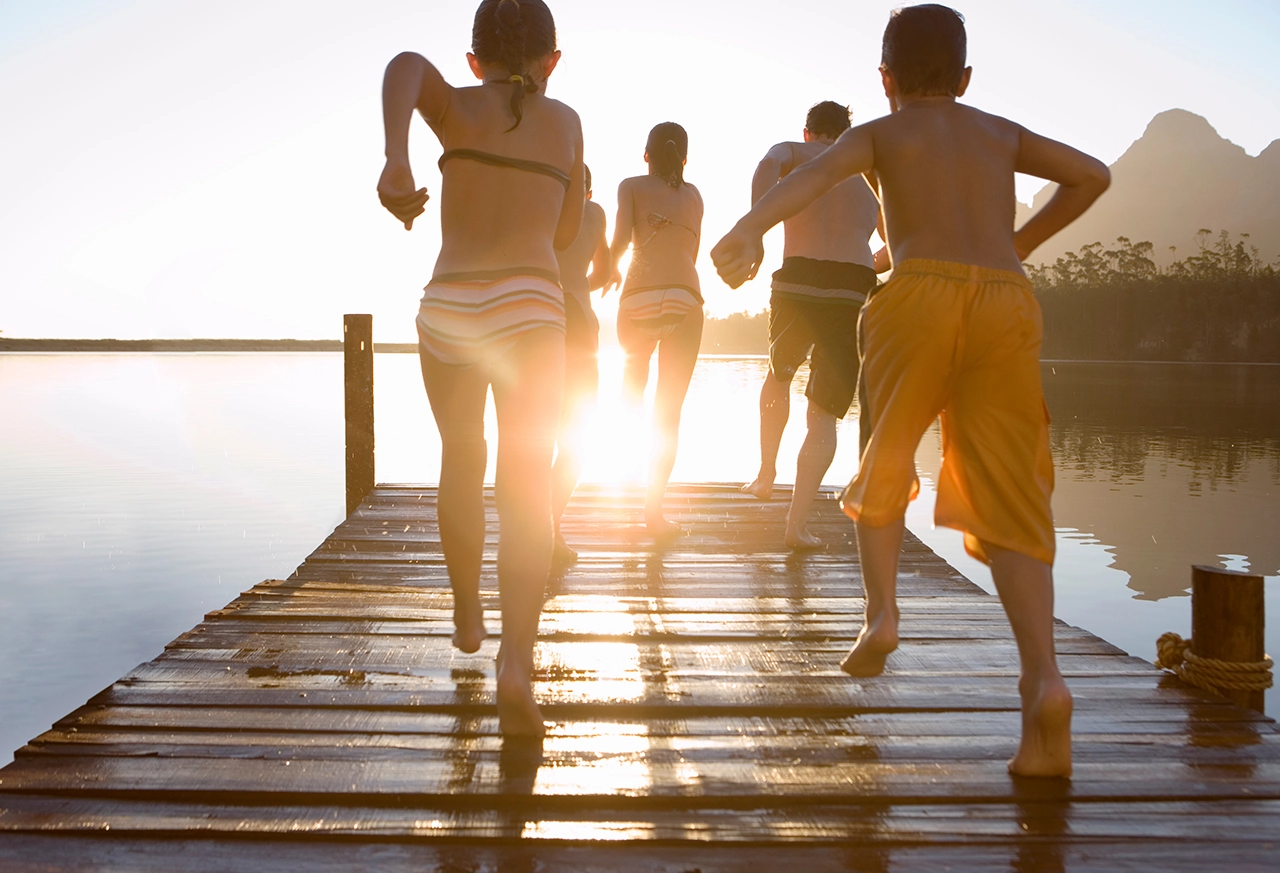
(138, 492)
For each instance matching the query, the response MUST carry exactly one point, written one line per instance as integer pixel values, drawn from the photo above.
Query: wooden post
(1227, 622)
(357, 358)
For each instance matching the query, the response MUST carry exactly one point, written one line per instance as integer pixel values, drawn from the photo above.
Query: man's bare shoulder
(593, 211)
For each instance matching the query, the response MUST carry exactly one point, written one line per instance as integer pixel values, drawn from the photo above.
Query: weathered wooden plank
(1209, 722)
(612, 852)
(583, 756)
(665, 773)
(932, 658)
(871, 822)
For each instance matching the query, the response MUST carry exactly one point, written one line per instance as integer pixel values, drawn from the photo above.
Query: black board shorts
(822, 329)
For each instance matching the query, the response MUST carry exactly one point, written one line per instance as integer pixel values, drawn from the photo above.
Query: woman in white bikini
(493, 314)
(660, 219)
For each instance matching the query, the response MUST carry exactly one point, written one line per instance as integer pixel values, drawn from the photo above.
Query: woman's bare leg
(878, 549)
(1025, 586)
(677, 356)
(528, 386)
(638, 348)
(457, 396)
(579, 400)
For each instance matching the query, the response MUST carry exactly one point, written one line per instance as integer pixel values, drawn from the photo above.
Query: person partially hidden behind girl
(660, 219)
(493, 314)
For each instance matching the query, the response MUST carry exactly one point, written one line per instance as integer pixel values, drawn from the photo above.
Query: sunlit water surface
(138, 492)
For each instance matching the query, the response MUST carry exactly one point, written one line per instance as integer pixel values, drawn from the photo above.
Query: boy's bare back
(946, 174)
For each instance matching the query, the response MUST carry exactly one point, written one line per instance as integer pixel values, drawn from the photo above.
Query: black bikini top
(504, 161)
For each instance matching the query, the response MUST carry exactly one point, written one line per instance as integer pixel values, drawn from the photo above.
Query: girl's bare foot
(660, 529)
(802, 541)
(468, 621)
(518, 713)
(874, 644)
(762, 487)
(561, 553)
(1045, 749)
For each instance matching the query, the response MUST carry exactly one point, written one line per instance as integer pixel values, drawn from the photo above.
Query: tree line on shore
(1221, 303)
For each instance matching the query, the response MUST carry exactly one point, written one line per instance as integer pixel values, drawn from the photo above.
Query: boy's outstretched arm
(737, 257)
(1081, 180)
(411, 82)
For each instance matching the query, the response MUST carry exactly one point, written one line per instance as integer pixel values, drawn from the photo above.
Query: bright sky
(182, 169)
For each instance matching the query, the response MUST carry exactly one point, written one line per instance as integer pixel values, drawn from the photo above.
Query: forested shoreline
(1221, 304)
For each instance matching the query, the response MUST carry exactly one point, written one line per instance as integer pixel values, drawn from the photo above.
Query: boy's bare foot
(518, 713)
(1045, 749)
(468, 621)
(761, 488)
(802, 541)
(561, 554)
(874, 644)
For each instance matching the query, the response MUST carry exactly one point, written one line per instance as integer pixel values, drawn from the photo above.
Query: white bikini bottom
(656, 312)
(467, 318)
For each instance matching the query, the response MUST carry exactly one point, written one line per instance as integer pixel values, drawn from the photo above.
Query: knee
(464, 454)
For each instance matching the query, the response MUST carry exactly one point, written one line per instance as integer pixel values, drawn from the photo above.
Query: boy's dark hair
(828, 119)
(924, 48)
(586, 177)
(668, 146)
(514, 33)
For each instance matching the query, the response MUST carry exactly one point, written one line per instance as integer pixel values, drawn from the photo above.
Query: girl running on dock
(660, 220)
(493, 314)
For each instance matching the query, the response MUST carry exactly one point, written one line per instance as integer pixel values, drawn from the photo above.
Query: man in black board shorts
(827, 272)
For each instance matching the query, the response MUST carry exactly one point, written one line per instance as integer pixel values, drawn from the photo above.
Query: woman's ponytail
(675, 164)
(668, 146)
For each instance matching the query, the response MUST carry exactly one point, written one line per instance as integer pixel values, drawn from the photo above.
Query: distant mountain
(1180, 176)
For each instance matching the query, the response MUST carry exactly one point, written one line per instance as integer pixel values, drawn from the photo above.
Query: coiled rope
(1174, 654)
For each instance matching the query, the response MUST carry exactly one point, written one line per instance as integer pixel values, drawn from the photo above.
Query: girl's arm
(622, 228)
(410, 82)
(697, 224)
(601, 263)
(575, 199)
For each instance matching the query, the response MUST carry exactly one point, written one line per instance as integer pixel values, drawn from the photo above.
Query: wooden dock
(324, 723)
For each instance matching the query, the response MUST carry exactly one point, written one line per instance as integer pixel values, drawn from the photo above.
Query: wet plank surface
(698, 721)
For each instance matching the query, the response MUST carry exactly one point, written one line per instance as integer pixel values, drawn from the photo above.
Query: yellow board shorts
(962, 342)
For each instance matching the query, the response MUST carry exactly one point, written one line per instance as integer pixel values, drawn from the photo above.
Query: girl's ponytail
(514, 33)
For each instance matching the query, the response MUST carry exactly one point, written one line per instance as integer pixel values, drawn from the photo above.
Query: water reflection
(466, 752)
(1043, 809)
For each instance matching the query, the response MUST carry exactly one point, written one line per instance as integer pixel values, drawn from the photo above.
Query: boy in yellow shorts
(956, 332)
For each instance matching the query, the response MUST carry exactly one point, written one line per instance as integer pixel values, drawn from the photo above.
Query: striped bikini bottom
(471, 318)
(657, 311)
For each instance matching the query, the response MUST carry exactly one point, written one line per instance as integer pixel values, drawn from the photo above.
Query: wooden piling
(357, 356)
(1227, 622)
